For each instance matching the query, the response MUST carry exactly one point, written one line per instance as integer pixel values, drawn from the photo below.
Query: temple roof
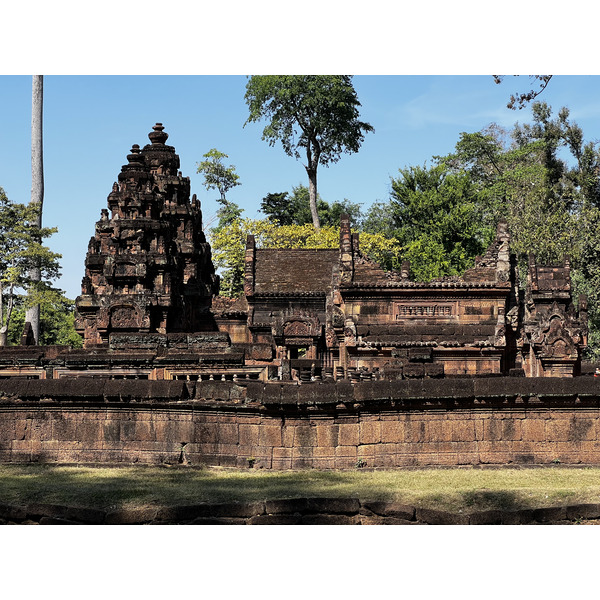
(295, 270)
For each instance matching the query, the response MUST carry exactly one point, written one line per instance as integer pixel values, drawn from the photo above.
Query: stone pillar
(346, 256)
(249, 260)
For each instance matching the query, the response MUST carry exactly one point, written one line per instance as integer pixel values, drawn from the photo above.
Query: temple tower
(148, 268)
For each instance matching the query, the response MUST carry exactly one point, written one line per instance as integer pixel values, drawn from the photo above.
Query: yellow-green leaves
(228, 246)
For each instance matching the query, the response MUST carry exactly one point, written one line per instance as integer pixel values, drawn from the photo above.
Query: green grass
(467, 490)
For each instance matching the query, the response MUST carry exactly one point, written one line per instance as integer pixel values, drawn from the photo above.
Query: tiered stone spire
(148, 268)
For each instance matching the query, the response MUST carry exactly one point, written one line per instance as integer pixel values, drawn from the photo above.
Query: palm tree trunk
(37, 180)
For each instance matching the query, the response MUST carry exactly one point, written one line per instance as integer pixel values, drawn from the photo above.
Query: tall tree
(37, 183)
(216, 175)
(315, 114)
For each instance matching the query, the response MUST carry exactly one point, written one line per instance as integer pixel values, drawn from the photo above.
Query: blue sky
(90, 123)
(102, 90)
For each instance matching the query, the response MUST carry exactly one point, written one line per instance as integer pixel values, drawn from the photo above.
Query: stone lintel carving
(296, 323)
(421, 310)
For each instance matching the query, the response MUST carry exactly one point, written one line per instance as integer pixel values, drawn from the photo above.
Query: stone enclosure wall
(277, 426)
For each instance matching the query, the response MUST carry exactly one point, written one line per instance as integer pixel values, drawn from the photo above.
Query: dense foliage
(293, 209)
(439, 222)
(57, 324)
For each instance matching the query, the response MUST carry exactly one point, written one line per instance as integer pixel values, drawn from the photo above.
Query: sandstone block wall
(326, 426)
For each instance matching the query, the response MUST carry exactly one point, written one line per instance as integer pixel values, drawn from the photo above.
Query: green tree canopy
(437, 220)
(216, 175)
(219, 177)
(57, 323)
(526, 178)
(316, 115)
(21, 250)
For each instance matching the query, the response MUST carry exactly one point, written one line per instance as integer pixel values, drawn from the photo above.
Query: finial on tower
(135, 156)
(158, 136)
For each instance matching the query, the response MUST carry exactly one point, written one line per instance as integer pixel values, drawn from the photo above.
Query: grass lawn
(446, 489)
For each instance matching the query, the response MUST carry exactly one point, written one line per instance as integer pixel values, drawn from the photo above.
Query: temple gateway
(149, 307)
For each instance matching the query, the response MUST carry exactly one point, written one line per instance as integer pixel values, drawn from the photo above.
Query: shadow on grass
(111, 488)
(492, 500)
(129, 486)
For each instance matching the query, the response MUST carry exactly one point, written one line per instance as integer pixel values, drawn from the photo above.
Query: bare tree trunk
(312, 195)
(37, 180)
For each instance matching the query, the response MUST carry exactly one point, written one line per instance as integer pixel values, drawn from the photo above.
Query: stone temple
(150, 309)
(326, 361)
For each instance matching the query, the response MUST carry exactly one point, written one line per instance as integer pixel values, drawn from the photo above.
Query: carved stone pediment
(554, 333)
(559, 341)
(300, 324)
(297, 328)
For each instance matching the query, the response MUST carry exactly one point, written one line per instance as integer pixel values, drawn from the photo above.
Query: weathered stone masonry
(376, 424)
(326, 361)
(149, 307)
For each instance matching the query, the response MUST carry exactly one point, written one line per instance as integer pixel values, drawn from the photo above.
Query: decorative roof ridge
(332, 250)
(290, 293)
(418, 344)
(431, 284)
